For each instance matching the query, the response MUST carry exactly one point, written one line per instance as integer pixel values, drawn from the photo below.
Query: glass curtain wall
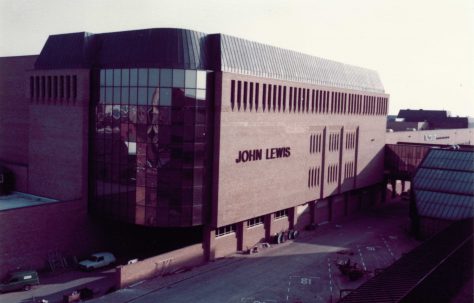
(150, 146)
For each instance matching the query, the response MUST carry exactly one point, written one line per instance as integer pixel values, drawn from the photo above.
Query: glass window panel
(164, 135)
(117, 80)
(178, 78)
(200, 115)
(189, 134)
(133, 77)
(142, 77)
(132, 133)
(102, 95)
(125, 95)
(164, 116)
(198, 176)
(189, 116)
(108, 95)
(109, 77)
(124, 114)
(141, 178)
(153, 115)
(153, 95)
(102, 77)
(153, 77)
(141, 114)
(116, 112)
(201, 80)
(201, 94)
(165, 96)
(164, 158)
(152, 155)
(178, 99)
(125, 77)
(117, 95)
(165, 77)
(152, 133)
(133, 95)
(142, 95)
(190, 93)
(190, 79)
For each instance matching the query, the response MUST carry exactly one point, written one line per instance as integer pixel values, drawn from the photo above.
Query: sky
(423, 50)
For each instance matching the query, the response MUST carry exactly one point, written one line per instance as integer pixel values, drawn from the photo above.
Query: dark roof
(164, 47)
(418, 115)
(444, 185)
(187, 49)
(417, 274)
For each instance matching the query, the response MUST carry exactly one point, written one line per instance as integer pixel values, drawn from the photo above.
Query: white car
(97, 260)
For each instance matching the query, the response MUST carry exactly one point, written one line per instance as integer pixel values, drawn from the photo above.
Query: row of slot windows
(334, 141)
(332, 173)
(349, 170)
(314, 175)
(247, 95)
(281, 214)
(229, 229)
(350, 140)
(255, 221)
(53, 87)
(315, 143)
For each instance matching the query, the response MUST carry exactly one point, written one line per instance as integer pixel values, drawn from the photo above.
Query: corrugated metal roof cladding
(238, 56)
(181, 48)
(444, 185)
(404, 276)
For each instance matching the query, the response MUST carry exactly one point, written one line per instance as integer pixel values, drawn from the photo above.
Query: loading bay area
(302, 270)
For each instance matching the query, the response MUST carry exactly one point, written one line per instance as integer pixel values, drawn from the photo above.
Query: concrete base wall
(322, 212)
(160, 265)
(225, 245)
(338, 207)
(252, 236)
(279, 225)
(303, 216)
(353, 203)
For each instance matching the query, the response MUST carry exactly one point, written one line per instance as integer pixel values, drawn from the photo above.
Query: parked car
(97, 260)
(20, 280)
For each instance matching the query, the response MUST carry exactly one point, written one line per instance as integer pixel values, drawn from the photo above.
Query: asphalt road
(54, 286)
(299, 271)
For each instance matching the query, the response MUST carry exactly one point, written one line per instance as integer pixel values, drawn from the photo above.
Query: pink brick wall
(280, 224)
(253, 235)
(29, 234)
(159, 265)
(14, 112)
(303, 216)
(225, 245)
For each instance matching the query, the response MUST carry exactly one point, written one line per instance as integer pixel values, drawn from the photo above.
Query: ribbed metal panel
(66, 51)
(251, 58)
(443, 185)
(163, 47)
(180, 48)
(407, 276)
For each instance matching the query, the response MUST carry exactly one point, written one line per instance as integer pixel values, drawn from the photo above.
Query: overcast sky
(422, 49)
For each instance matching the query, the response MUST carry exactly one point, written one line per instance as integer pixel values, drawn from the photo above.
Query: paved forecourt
(300, 271)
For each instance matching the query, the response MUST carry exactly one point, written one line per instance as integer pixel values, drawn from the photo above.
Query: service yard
(303, 270)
